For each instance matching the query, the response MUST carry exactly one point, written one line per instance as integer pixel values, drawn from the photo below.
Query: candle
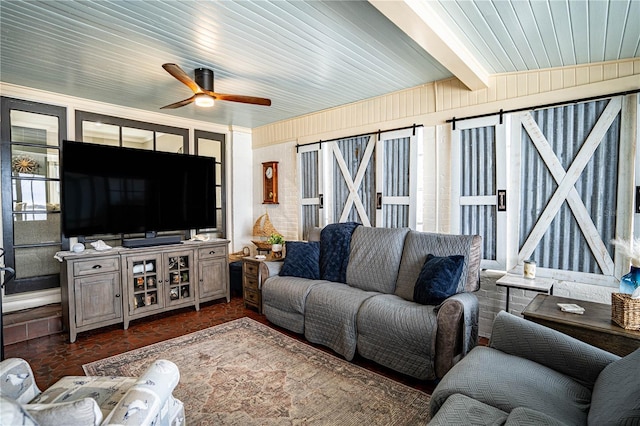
(530, 269)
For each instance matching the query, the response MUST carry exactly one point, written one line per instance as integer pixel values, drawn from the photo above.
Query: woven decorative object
(262, 245)
(263, 228)
(625, 311)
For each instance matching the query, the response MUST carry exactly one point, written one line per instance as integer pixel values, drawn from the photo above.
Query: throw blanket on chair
(335, 243)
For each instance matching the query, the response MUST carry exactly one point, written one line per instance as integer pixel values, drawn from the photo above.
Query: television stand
(153, 241)
(101, 288)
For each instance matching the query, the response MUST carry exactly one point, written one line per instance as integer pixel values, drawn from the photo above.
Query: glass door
(31, 137)
(180, 279)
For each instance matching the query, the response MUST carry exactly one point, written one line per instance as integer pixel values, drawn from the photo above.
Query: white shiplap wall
(431, 105)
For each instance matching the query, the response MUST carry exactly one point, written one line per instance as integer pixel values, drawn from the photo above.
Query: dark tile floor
(52, 357)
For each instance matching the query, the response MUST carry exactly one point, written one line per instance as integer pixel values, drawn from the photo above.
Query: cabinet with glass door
(143, 283)
(158, 280)
(180, 279)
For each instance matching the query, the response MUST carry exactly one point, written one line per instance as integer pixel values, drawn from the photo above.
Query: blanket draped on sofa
(335, 245)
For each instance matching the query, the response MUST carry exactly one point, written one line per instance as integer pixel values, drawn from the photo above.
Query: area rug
(245, 373)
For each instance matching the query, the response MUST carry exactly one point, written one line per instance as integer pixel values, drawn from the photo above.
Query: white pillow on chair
(82, 412)
(12, 413)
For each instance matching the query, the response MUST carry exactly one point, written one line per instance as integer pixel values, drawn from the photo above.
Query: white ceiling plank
(418, 21)
(598, 19)
(456, 19)
(495, 24)
(616, 21)
(579, 12)
(563, 31)
(519, 34)
(530, 27)
(617, 27)
(544, 20)
(631, 37)
(478, 29)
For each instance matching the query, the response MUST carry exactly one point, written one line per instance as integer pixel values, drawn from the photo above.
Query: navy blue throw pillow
(438, 279)
(302, 260)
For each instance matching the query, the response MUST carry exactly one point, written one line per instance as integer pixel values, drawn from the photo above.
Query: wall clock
(270, 182)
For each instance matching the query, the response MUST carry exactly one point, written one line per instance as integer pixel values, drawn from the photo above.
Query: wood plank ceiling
(305, 56)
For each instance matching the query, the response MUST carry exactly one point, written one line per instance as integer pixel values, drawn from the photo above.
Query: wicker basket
(625, 311)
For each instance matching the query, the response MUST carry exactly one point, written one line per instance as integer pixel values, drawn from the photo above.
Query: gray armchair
(531, 374)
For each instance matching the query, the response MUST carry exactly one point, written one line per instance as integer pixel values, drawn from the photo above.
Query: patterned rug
(245, 373)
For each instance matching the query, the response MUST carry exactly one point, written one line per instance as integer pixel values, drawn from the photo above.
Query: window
(115, 131)
(568, 193)
(213, 145)
(31, 136)
(370, 179)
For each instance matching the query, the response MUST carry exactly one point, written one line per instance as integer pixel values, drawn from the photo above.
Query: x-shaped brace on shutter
(566, 186)
(352, 184)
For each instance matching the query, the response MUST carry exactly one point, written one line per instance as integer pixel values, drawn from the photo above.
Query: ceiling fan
(203, 89)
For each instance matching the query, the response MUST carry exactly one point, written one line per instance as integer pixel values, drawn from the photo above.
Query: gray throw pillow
(615, 399)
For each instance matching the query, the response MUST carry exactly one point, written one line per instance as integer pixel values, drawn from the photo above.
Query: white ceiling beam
(420, 22)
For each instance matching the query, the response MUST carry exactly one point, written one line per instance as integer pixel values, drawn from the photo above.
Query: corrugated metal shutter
(396, 182)
(310, 184)
(478, 147)
(479, 168)
(353, 153)
(563, 245)
(370, 179)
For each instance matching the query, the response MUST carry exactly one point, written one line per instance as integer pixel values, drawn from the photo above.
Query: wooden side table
(541, 285)
(594, 326)
(251, 279)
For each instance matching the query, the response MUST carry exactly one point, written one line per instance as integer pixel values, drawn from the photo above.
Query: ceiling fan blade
(239, 98)
(180, 103)
(181, 76)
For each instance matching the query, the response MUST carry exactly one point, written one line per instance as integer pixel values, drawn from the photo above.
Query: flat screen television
(114, 190)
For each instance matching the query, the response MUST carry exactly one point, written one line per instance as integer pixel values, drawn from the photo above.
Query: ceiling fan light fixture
(204, 100)
(202, 88)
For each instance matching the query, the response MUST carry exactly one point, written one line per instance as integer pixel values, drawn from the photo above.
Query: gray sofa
(373, 312)
(533, 375)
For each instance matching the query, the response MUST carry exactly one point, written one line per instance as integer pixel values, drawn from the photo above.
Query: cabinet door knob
(212, 252)
(97, 266)
(117, 295)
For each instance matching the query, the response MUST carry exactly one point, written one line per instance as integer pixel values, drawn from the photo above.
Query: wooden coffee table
(594, 326)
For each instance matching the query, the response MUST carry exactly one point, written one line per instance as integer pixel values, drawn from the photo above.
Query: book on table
(571, 308)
